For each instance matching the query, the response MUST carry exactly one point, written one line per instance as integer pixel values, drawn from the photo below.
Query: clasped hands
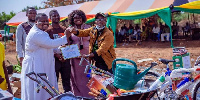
(70, 30)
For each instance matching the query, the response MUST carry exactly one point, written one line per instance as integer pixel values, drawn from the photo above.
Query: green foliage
(137, 21)
(179, 16)
(4, 18)
(159, 20)
(17, 67)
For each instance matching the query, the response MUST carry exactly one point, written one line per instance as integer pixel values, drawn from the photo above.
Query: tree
(178, 16)
(57, 3)
(4, 18)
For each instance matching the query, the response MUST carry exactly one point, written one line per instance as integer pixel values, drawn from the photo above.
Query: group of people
(37, 46)
(127, 34)
(155, 32)
(147, 32)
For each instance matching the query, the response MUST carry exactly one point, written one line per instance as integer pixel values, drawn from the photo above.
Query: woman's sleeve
(84, 33)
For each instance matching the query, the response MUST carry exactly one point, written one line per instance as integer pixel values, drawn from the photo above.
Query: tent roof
(179, 2)
(192, 7)
(93, 7)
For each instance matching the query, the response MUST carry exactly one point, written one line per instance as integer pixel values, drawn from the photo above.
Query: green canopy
(164, 13)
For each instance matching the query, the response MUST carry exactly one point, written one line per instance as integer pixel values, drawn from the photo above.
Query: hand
(73, 30)
(60, 57)
(91, 55)
(68, 34)
(20, 60)
(94, 92)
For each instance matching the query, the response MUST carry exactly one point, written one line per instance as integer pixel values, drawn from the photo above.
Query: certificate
(70, 51)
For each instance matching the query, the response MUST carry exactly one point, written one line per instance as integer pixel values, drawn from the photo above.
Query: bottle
(183, 88)
(157, 83)
(183, 82)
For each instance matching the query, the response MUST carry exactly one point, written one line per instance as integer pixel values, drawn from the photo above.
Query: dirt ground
(147, 49)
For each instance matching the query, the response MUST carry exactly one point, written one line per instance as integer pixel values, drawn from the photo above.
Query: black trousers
(100, 63)
(64, 68)
(154, 37)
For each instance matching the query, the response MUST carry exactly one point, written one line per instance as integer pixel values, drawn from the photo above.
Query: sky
(17, 5)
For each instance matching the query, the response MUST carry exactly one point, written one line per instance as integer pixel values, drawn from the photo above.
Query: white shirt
(122, 32)
(156, 29)
(39, 57)
(21, 39)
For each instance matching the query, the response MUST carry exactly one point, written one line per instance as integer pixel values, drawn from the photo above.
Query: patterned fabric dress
(78, 78)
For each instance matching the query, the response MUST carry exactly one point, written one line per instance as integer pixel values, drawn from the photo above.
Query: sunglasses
(100, 19)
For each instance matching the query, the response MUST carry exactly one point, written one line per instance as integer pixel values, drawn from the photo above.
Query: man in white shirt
(39, 58)
(156, 30)
(22, 31)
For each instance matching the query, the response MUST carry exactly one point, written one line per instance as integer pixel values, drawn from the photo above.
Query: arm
(83, 33)
(19, 42)
(7, 79)
(43, 40)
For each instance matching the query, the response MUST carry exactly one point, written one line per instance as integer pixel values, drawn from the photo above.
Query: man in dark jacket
(61, 66)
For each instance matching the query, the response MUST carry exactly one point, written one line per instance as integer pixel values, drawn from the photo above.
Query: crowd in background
(150, 32)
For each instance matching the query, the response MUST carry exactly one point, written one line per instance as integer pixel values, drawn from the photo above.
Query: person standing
(101, 47)
(61, 66)
(39, 58)
(4, 81)
(77, 19)
(22, 31)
